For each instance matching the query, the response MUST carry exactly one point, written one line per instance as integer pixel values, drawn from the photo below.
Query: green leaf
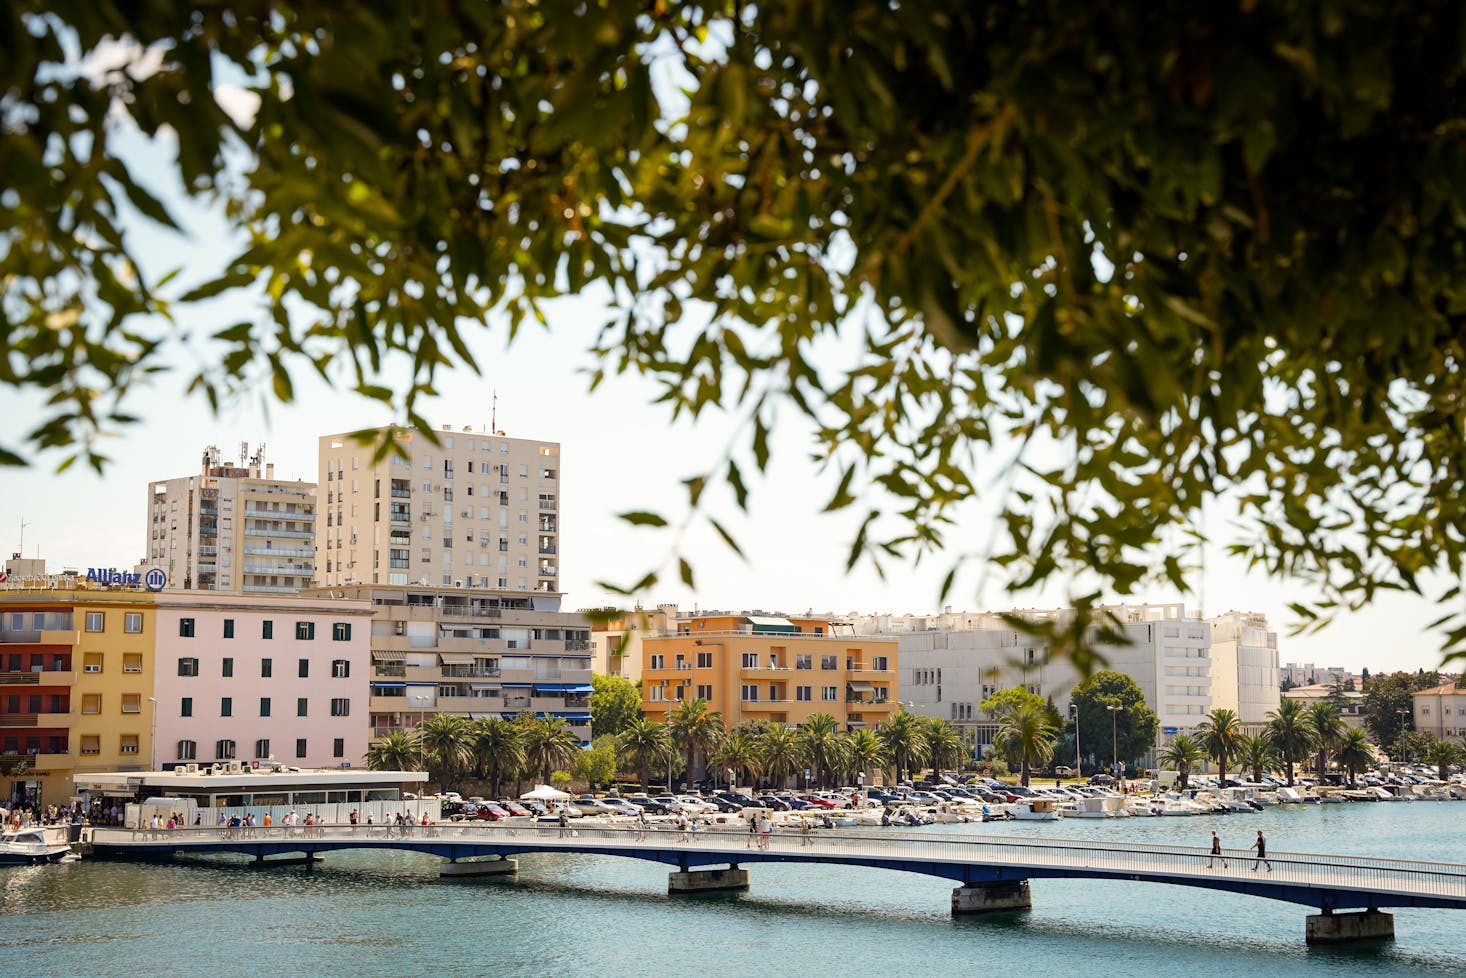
(643, 519)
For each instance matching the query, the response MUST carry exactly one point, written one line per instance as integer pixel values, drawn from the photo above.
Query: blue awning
(377, 685)
(573, 717)
(433, 683)
(564, 687)
(516, 685)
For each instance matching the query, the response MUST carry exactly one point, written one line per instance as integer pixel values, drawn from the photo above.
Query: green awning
(769, 625)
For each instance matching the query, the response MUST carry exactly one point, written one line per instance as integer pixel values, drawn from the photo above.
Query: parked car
(621, 806)
(592, 806)
(512, 807)
(649, 805)
(817, 801)
(1064, 771)
(773, 801)
(1101, 779)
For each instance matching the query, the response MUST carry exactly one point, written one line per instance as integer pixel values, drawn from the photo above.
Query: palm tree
(820, 744)
(1028, 735)
(1291, 733)
(549, 743)
(1182, 754)
(399, 751)
(695, 729)
(944, 744)
(1219, 736)
(446, 741)
(498, 748)
(781, 751)
(1256, 754)
(902, 738)
(738, 752)
(645, 744)
(1355, 752)
(1328, 729)
(1442, 753)
(863, 751)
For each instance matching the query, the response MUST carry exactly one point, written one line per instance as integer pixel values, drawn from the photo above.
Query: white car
(693, 805)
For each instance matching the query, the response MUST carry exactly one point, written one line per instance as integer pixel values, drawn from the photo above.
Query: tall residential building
(473, 652)
(476, 510)
(1307, 674)
(233, 528)
(755, 666)
(616, 642)
(1244, 655)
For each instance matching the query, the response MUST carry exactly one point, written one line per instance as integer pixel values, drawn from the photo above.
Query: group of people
(1260, 844)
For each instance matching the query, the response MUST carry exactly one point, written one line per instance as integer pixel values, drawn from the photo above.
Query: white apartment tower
(1244, 653)
(233, 528)
(475, 510)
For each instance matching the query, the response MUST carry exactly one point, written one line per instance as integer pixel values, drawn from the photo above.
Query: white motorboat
(1099, 807)
(1036, 810)
(29, 846)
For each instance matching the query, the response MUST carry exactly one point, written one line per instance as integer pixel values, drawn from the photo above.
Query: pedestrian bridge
(992, 873)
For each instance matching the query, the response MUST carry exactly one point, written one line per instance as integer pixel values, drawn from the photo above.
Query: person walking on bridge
(1261, 846)
(1216, 851)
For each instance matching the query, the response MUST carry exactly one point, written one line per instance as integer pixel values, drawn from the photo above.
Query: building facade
(617, 642)
(1441, 712)
(1244, 672)
(235, 529)
(770, 667)
(476, 510)
(473, 652)
(247, 680)
(76, 674)
(1308, 674)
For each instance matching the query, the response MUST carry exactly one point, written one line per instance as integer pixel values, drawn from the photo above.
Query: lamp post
(1078, 766)
(732, 787)
(860, 784)
(1114, 736)
(153, 737)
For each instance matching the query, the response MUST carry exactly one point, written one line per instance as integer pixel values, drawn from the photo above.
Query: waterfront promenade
(992, 873)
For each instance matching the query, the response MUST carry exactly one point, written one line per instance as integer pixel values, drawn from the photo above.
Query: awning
(518, 685)
(377, 685)
(564, 688)
(429, 683)
(493, 686)
(380, 655)
(573, 717)
(862, 687)
(767, 623)
(456, 658)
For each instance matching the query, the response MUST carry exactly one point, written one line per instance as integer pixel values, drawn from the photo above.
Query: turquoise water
(368, 914)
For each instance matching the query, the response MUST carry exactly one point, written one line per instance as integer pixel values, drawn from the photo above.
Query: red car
(488, 812)
(512, 807)
(817, 801)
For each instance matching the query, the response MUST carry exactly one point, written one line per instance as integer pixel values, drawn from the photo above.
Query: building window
(266, 668)
(185, 628)
(654, 694)
(132, 702)
(305, 631)
(305, 668)
(341, 631)
(340, 669)
(262, 748)
(132, 662)
(300, 706)
(829, 662)
(750, 660)
(264, 706)
(802, 693)
(224, 750)
(91, 744)
(704, 660)
(185, 706)
(132, 623)
(267, 629)
(341, 707)
(91, 703)
(705, 692)
(658, 662)
(750, 693)
(228, 627)
(338, 747)
(228, 665)
(802, 661)
(300, 747)
(829, 693)
(127, 744)
(93, 663)
(188, 750)
(94, 621)
(226, 706)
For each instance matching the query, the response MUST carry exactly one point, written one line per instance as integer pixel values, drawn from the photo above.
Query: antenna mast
(494, 413)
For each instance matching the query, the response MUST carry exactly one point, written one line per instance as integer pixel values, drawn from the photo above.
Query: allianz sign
(154, 580)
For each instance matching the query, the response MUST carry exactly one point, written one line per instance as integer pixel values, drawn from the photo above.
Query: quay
(992, 874)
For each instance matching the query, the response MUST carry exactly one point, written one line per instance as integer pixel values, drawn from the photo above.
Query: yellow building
(76, 674)
(764, 667)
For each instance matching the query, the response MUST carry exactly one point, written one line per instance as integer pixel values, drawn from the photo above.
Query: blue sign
(1170, 730)
(154, 580)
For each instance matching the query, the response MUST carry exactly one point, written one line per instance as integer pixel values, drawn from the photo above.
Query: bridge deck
(1326, 881)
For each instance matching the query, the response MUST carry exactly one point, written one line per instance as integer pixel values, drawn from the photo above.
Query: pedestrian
(765, 830)
(564, 821)
(1261, 846)
(1216, 851)
(641, 825)
(353, 816)
(804, 831)
(752, 831)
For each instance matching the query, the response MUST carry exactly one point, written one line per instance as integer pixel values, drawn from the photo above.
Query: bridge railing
(1320, 871)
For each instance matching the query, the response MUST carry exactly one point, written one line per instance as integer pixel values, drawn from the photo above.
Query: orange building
(765, 667)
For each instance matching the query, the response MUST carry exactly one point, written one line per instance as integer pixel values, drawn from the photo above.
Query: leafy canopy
(1111, 259)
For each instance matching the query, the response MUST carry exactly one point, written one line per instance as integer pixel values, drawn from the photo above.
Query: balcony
(256, 551)
(276, 514)
(251, 531)
(469, 672)
(267, 589)
(764, 672)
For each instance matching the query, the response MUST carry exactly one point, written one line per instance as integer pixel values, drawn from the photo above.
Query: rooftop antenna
(494, 413)
(23, 525)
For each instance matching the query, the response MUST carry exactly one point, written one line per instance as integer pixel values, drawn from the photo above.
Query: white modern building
(1308, 674)
(233, 528)
(1244, 654)
(474, 510)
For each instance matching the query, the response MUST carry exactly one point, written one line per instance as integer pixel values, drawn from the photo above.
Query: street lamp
(1078, 765)
(860, 783)
(731, 786)
(153, 737)
(1114, 736)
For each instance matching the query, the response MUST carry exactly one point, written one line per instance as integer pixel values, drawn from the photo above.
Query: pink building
(243, 678)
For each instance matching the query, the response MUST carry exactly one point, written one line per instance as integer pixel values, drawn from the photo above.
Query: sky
(619, 453)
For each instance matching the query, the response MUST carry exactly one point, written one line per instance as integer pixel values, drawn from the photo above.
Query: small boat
(1036, 810)
(33, 845)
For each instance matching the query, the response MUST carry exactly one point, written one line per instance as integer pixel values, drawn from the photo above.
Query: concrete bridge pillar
(479, 867)
(999, 897)
(708, 880)
(1350, 928)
